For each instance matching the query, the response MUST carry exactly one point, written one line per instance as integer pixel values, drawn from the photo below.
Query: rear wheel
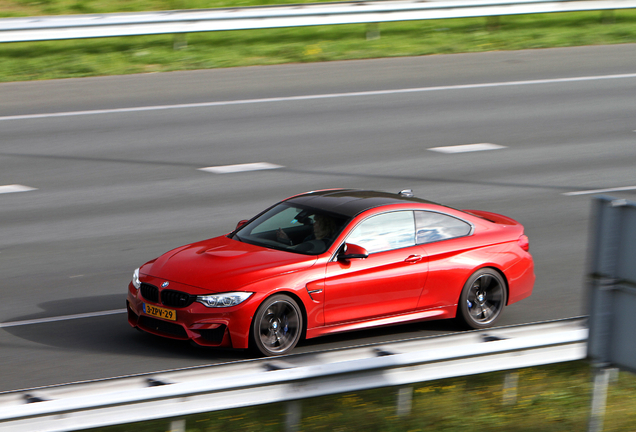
(277, 325)
(482, 299)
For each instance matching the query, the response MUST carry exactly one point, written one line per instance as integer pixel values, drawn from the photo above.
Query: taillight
(524, 243)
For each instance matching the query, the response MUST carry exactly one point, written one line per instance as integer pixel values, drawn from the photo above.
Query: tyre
(277, 325)
(482, 299)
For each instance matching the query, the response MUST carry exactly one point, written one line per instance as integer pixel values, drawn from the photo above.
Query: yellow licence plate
(159, 312)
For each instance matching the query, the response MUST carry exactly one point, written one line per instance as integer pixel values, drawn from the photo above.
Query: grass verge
(143, 54)
(548, 399)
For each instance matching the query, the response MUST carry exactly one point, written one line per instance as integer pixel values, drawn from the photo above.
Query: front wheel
(277, 325)
(482, 299)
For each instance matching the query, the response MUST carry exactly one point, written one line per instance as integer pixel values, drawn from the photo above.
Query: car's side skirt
(422, 315)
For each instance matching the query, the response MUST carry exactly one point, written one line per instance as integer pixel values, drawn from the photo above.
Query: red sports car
(330, 261)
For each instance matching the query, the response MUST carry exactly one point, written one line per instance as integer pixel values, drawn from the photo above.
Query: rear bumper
(521, 280)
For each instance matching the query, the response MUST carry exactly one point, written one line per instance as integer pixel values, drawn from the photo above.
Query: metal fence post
(611, 276)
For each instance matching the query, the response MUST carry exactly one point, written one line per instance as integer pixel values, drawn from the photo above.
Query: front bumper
(212, 327)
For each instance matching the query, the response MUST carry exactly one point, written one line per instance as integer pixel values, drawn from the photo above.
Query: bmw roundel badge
(165, 284)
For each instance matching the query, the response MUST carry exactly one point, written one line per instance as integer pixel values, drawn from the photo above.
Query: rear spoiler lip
(493, 217)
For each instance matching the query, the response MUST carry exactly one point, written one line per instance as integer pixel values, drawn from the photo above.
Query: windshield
(293, 228)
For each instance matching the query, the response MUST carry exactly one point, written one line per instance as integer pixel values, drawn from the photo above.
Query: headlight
(135, 279)
(223, 300)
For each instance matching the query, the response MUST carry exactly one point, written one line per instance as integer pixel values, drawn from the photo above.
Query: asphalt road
(117, 186)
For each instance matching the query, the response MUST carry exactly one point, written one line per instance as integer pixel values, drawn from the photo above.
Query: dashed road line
(15, 188)
(227, 169)
(595, 191)
(61, 318)
(465, 148)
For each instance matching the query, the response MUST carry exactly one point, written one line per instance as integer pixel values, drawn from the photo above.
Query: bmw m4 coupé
(332, 261)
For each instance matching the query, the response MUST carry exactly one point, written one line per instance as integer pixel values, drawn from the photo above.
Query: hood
(222, 264)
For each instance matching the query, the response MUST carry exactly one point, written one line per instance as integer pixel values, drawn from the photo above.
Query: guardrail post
(607, 17)
(293, 416)
(492, 23)
(404, 401)
(510, 388)
(180, 41)
(178, 426)
(373, 31)
(599, 398)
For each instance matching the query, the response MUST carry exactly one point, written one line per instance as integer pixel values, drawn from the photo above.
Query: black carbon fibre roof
(351, 202)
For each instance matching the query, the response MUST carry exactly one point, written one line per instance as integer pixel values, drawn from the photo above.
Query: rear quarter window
(432, 227)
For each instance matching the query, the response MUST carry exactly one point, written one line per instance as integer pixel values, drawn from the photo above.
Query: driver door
(388, 282)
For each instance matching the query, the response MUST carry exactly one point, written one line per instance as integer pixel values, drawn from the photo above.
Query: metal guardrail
(298, 15)
(204, 389)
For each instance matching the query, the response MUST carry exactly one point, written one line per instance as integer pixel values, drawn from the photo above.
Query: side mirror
(351, 251)
(241, 224)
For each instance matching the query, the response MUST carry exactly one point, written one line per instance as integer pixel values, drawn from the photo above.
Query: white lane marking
(61, 318)
(226, 169)
(595, 191)
(465, 148)
(15, 188)
(322, 96)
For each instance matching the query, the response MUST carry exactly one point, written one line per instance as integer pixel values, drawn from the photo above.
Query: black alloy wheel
(277, 325)
(482, 299)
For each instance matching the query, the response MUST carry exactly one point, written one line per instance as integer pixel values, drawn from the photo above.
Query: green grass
(552, 398)
(143, 54)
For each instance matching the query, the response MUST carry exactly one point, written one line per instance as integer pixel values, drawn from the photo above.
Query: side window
(432, 227)
(384, 232)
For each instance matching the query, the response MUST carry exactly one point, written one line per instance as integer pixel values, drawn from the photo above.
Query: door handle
(413, 259)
